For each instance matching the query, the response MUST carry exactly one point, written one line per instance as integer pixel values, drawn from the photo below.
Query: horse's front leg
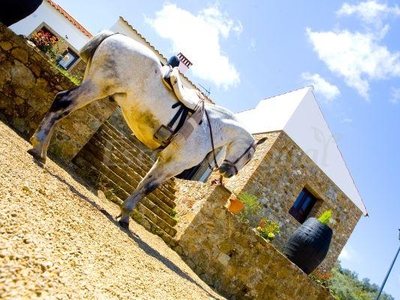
(149, 183)
(168, 164)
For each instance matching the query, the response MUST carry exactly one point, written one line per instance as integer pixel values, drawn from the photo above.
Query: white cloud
(395, 95)
(326, 90)
(360, 57)
(346, 121)
(357, 57)
(345, 255)
(371, 12)
(350, 255)
(198, 38)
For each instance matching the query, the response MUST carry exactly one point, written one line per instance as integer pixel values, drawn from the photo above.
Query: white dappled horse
(130, 73)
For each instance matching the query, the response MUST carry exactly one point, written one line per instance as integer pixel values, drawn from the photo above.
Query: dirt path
(59, 241)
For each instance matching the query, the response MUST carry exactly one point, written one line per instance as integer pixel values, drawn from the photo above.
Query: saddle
(190, 98)
(191, 109)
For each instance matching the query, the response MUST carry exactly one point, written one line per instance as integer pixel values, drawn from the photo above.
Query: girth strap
(182, 114)
(190, 124)
(189, 101)
(185, 127)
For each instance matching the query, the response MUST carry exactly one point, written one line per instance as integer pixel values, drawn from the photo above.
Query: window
(45, 40)
(303, 205)
(55, 47)
(67, 59)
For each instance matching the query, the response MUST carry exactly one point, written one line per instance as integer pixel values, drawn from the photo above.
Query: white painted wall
(122, 27)
(272, 114)
(56, 21)
(298, 114)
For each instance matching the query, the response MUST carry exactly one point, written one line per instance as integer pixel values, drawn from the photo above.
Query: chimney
(184, 63)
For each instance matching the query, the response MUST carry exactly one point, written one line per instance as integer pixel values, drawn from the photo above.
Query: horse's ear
(262, 140)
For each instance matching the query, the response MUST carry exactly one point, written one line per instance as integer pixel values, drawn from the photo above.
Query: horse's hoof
(124, 224)
(38, 158)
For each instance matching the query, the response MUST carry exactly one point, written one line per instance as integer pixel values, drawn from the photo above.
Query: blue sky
(246, 51)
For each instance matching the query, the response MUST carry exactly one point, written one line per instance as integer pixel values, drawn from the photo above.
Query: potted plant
(309, 244)
(267, 229)
(234, 205)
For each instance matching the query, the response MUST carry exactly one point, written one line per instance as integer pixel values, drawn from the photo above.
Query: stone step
(123, 189)
(117, 162)
(151, 227)
(127, 145)
(131, 156)
(160, 222)
(132, 150)
(141, 218)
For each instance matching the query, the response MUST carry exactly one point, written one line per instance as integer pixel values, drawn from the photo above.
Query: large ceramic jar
(309, 245)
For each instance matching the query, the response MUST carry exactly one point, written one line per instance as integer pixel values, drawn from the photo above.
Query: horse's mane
(90, 47)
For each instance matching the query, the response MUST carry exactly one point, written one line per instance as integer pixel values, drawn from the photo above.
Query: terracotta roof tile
(70, 18)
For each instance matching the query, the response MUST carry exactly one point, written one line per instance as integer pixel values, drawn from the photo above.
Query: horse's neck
(225, 126)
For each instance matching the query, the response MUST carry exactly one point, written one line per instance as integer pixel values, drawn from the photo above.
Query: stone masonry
(115, 165)
(28, 85)
(229, 256)
(276, 176)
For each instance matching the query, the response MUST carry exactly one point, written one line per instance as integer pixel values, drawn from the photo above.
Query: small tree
(251, 210)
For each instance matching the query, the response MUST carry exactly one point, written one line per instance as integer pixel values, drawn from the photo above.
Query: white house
(52, 18)
(297, 114)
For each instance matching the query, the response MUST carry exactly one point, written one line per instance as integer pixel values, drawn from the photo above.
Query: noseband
(227, 162)
(245, 155)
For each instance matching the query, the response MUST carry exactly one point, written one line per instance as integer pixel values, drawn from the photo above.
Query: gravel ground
(58, 240)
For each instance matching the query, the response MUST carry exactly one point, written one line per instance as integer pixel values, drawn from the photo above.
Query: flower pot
(234, 205)
(309, 245)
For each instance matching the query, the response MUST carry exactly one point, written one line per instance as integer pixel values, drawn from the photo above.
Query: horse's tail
(91, 46)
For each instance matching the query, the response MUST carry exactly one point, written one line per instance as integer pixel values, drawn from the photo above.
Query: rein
(212, 143)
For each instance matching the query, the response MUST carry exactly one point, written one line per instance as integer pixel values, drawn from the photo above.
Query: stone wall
(28, 84)
(229, 256)
(111, 163)
(276, 176)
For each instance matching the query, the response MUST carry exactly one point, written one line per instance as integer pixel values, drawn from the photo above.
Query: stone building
(299, 172)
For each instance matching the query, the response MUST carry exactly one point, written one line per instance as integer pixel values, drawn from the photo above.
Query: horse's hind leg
(64, 103)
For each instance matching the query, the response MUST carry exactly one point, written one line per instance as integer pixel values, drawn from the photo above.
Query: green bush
(252, 207)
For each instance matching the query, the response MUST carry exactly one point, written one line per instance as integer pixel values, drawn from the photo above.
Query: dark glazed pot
(12, 11)
(309, 244)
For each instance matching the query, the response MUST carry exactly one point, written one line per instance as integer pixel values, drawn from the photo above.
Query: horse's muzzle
(227, 170)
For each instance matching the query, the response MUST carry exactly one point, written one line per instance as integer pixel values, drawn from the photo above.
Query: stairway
(115, 165)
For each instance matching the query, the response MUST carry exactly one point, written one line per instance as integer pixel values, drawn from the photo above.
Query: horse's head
(238, 154)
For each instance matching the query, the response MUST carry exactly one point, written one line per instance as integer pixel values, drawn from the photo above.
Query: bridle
(246, 155)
